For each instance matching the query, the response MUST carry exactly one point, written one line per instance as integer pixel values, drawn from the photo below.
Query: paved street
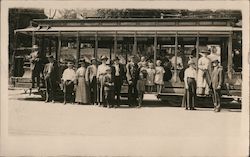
(173, 130)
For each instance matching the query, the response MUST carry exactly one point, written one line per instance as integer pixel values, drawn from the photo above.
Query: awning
(151, 29)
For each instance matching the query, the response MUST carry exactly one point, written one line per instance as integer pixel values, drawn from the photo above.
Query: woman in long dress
(82, 91)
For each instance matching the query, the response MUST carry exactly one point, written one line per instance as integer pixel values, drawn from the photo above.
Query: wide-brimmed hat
(35, 47)
(104, 57)
(191, 61)
(82, 60)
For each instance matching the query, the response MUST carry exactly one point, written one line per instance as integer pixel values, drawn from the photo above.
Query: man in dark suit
(132, 69)
(51, 78)
(217, 82)
(35, 66)
(92, 81)
(118, 75)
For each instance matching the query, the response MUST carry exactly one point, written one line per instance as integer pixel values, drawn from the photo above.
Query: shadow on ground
(164, 101)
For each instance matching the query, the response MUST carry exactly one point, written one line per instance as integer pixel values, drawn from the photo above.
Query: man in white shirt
(68, 78)
(190, 86)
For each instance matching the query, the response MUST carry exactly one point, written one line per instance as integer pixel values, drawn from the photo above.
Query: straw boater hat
(35, 47)
(191, 61)
(92, 59)
(104, 57)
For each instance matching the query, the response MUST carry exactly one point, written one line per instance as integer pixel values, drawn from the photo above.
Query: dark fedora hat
(82, 60)
(50, 56)
(215, 61)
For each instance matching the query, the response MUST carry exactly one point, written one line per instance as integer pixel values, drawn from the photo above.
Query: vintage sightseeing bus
(155, 38)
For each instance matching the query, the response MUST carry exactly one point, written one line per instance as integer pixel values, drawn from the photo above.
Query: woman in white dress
(82, 91)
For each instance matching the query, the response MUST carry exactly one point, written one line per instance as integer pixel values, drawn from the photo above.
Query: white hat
(35, 47)
(191, 61)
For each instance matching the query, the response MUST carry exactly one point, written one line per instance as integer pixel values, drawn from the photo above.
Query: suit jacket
(51, 71)
(132, 72)
(217, 77)
(121, 72)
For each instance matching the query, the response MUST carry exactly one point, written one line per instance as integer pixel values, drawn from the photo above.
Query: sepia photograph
(132, 80)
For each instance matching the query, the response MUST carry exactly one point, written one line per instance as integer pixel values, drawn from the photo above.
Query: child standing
(150, 77)
(159, 73)
(141, 85)
(108, 88)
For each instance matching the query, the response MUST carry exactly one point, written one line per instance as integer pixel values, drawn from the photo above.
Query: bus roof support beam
(197, 49)
(96, 45)
(78, 49)
(33, 38)
(135, 44)
(229, 58)
(115, 43)
(59, 45)
(175, 54)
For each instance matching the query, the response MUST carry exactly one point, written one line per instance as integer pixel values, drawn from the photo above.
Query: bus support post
(78, 49)
(230, 60)
(13, 55)
(135, 44)
(155, 47)
(175, 54)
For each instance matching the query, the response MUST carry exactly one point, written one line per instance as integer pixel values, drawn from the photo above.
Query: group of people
(206, 78)
(101, 84)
